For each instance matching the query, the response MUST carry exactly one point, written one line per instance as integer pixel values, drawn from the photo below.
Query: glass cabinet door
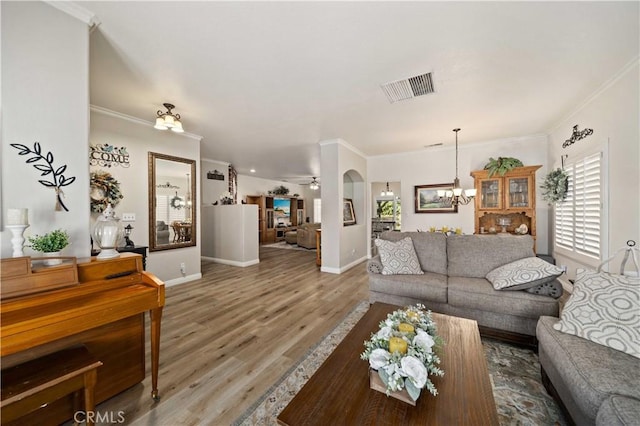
(490, 193)
(518, 195)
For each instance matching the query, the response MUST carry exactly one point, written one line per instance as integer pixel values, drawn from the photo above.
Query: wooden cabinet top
(517, 171)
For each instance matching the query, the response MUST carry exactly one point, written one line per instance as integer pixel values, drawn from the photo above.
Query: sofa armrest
(374, 265)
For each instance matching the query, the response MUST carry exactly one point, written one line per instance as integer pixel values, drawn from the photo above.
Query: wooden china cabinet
(510, 198)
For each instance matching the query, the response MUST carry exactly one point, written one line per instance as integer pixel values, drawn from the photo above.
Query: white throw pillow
(398, 257)
(522, 274)
(604, 308)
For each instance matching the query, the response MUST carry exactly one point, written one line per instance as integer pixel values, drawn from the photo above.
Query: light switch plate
(128, 217)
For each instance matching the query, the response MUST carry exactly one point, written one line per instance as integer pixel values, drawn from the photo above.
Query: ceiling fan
(314, 185)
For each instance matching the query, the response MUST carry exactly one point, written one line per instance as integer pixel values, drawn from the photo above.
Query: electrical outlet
(183, 268)
(564, 268)
(128, 217)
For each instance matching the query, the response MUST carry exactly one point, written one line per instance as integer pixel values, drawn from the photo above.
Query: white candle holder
(18, 238)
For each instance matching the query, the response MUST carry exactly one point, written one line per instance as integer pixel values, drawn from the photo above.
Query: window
(578, 220)
(317, 210)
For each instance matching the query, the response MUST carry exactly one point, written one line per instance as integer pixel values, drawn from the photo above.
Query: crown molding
(77, 11)
(344, 144)
(105, 111)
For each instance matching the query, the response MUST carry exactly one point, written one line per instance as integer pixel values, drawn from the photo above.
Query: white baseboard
(232, 262)
(344, 268)
(183, 280)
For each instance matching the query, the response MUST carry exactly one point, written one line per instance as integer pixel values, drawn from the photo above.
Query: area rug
(285, 245)
(515, 377)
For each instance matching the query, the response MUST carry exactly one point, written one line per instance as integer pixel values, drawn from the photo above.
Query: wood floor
(228, 337)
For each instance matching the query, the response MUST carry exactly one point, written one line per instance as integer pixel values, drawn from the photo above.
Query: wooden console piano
(104, 310)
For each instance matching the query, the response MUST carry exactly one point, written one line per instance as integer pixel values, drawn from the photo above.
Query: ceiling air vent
(408, 88)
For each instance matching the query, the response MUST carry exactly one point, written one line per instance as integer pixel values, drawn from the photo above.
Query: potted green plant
(50, 244)
(502, 165)
(281, 190)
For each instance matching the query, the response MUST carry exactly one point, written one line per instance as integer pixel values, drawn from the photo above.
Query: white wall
(342, 246)
(230, 234)
(45, 94)
(437, 165)
(140, 138)
(613, 114)
(213, 189)
(251, 185)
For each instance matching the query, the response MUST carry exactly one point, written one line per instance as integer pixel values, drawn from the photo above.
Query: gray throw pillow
(522, 274)
(552, 288)
(604, 308)
(398, 257)
(374, 265)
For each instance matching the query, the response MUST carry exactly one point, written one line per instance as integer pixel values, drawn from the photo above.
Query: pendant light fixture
(457, 195)
(387, 193)
(168, 120)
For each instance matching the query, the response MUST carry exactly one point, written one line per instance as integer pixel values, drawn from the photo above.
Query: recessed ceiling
(264, 82)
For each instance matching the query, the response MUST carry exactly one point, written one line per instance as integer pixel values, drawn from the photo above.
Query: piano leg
(156, 318)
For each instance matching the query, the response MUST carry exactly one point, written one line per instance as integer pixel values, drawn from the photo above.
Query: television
(282, 211)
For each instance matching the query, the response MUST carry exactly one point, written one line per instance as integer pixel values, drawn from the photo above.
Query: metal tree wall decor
(58, 179)
(577, 135)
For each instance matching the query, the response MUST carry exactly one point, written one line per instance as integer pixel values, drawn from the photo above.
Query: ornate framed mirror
(172, 202)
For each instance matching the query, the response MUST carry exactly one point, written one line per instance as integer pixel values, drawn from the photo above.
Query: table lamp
(127, 234)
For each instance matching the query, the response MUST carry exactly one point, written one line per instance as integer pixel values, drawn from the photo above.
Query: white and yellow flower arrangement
(447, 230)
(402, 352)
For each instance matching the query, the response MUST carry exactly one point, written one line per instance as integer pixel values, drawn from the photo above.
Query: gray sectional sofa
(596, 385)
(454, 282)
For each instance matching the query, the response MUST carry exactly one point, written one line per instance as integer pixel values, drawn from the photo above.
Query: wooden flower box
(375, 382)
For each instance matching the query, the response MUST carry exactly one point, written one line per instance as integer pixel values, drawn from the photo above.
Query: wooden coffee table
(339, 392)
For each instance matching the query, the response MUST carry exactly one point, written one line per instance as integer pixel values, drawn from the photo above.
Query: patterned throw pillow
(522, 274)
(604, 308)
(398, 257)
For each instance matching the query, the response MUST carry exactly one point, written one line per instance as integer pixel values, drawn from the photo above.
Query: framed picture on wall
(428, 201)
(348, 215)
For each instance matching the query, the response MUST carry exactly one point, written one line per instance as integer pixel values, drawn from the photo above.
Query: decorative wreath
(177, 202)
(556, 186)
(104, 190)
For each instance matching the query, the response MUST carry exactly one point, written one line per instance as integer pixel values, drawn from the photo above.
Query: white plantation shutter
(162, 208)
(317, 210)
(578, 218)
(564, 220)
(166, 213)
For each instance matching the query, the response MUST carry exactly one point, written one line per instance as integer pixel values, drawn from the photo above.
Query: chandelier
(167, 120)
(314, 184)
(456, 195)
(387, 193)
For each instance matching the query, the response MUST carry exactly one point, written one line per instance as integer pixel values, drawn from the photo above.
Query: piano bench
(39, 382)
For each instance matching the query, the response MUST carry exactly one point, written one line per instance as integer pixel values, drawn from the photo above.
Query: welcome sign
(107, 155)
